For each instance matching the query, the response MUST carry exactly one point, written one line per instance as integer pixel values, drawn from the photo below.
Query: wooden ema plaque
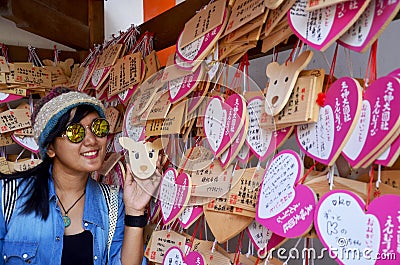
(251, 26)
(225, 225)
(4, 167)
(203, 22)
(27, 73)
(11, 120)
(243, 12)
(161, 241)
(276, 15)
(244, 194)
(319, 4)
(282, 81)
(126, 73)
(211, 181)
(109, 56)
(301, 107)
(6, 140)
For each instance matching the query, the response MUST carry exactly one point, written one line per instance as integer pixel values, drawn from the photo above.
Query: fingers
(129, 175)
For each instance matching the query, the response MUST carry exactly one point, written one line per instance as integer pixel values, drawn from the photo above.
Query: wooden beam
(37, 17)
(167, 26)
(96, 22)
(20, 54)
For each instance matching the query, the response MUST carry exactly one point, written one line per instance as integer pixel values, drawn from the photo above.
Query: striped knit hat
(52, 107)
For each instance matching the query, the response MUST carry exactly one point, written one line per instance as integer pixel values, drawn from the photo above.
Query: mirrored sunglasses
(76, 132)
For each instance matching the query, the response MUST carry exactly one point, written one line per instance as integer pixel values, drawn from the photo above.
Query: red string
(194, 232)
(275, 53)
(332, 70)
(371, 178)
(202, 225)
(236, 258)
(239, 72)
(290, 58)
(190, 153)
(305, 175)
(371, 72)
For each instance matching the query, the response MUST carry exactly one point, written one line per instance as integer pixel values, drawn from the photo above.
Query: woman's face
(83, 157)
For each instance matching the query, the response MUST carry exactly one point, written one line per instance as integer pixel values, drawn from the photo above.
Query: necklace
(66, 219)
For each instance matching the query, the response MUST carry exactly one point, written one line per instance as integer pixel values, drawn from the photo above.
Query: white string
(295, 246)
(349, 62)
(20, 154)
(158, 225)
(258, 165)
(330, 178)
(312, 247)
(379, 177)
(248, 249)
(213, 246)
(304, 247)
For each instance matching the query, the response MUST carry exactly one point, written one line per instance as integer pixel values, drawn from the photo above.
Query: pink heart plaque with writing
(5, 97)
(263, 142)
(371, 23)
(343, 227)
(321, 27)
(27, 142)
(379, 121)
(174, 255)
(181, 87)
(324, 140)
(285, 208)
(174, 194)
(229, 116)
(262, 237)
(190, 215)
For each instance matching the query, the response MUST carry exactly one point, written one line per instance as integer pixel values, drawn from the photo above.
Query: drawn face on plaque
(282, 81)
(143, 156)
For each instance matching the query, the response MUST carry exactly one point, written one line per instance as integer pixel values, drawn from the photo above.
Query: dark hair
(37, 187)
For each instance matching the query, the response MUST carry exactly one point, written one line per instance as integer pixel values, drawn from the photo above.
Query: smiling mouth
(90, 154)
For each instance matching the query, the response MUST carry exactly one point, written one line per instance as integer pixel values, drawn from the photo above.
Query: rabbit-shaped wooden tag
(282, 81)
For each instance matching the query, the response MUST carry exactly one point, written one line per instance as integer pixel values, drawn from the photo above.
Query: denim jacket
(26, 238)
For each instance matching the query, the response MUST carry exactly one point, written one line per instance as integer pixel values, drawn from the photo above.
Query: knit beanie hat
(52, 107)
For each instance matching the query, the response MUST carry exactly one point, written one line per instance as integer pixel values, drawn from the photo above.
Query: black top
(78, 249)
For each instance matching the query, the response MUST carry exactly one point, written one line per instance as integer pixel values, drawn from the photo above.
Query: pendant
(67, 220)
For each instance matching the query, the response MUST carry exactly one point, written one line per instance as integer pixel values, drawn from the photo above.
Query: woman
(57, 214)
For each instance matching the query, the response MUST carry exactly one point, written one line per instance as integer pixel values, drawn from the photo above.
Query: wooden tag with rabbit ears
(282, 81)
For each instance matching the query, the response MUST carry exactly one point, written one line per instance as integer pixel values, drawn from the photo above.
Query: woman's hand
(138, 192)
